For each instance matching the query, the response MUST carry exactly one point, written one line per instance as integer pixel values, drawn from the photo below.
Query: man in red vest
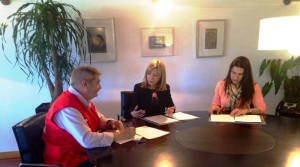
(72, 123)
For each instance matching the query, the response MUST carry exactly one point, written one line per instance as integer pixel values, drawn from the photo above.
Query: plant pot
(44, 107)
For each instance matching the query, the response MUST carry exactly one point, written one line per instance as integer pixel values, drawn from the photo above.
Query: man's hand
(127, 133)
(114, 125)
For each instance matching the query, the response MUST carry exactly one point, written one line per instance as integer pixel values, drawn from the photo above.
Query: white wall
(192, 79)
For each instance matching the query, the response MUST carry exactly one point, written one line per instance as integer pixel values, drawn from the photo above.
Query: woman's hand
(170, 110)
(237, 112)
(214, 110)
(137, 113)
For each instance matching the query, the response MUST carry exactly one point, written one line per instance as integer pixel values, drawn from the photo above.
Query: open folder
(255, 119)
(168, 119)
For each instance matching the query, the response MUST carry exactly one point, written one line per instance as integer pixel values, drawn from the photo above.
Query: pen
(125, 124)
(166, 109)
(135, 108)
(142, 140)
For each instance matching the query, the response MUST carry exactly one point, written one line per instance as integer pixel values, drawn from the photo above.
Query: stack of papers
(167, 119)
(236, 119)
(146, 132)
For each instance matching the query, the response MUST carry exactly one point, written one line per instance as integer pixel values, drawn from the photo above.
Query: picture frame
(210, 38)
(157, 41)
(101, 40)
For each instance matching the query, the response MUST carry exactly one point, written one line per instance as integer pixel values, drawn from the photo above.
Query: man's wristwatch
(109, 124)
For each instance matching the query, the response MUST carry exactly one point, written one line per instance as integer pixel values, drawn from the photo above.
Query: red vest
(60, 146)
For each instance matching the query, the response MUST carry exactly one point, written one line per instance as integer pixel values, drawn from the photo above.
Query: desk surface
(169, 151)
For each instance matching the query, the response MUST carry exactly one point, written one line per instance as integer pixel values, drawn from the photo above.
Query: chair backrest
(28, 134)
(126, 100)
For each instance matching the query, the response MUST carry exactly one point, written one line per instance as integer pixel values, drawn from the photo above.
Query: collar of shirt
(81, 98)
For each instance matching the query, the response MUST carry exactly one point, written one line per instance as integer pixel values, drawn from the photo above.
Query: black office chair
(126, 100)
(28, 134)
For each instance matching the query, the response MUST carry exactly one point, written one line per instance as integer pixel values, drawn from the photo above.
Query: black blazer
(142, 97)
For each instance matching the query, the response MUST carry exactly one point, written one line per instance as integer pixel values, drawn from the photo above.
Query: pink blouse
(222, 100)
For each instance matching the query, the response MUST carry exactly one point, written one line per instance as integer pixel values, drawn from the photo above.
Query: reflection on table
(202, 143)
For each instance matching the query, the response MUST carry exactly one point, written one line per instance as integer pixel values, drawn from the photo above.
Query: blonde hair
(83, 73)
(160, 66)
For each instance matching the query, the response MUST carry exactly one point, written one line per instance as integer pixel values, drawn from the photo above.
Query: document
(182, 116)
(236, 119)
(221, 118)
(149, 132)
(248, 118)
(168, 119)
(160, 119)
(135, 138)
(146, 132)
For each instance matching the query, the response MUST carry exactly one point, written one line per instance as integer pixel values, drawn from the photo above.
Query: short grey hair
(83, 73)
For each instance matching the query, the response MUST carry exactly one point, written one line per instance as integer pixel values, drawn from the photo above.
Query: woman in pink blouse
(238, 91)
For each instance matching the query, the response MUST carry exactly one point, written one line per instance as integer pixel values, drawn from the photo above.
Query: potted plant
(44, 34)
(283, 72)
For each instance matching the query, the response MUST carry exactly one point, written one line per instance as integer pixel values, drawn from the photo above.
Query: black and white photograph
(210, 38)
(157, 41)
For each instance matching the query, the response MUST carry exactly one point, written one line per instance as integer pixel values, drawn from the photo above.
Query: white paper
(182, 116)
(149, 132)
(248, 118)
(160, 119)
(241, 118)
(221, 118)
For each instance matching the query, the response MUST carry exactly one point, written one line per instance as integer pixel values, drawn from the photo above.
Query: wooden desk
(167, 151)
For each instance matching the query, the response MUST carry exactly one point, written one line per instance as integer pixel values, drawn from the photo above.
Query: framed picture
(101, 40)
(157, 41)
(210, 38)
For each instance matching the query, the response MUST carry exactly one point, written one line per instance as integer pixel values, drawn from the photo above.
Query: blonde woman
(153, 95)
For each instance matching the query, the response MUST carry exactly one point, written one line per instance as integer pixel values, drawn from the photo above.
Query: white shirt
(71, 120)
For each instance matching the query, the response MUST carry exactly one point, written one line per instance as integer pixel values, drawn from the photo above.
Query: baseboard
(12, 154)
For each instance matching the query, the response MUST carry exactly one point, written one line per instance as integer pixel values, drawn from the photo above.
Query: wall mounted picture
(101, 40)
(157, 41)
(210, 38)
(97, 42)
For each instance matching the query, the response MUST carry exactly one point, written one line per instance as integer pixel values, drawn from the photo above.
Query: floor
(14, 162)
